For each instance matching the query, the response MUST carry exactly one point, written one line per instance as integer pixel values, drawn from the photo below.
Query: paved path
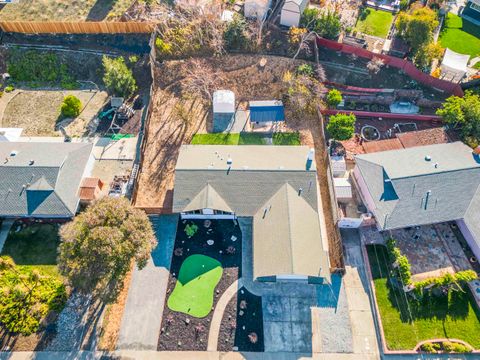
(218, 315)
(357, 290)
(4, 229)
(142, 317)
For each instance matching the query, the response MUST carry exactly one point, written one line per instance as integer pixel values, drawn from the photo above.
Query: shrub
(9, 88)
(191, 229)
(71, 106)
(396, 256)
(235, 35)
(447, 279)
(118, 78)
(341, 126)
(334, 97)
(306, 69)
(404, 4)
(455, 347)
(132, 59)
(27, 296)
(428, 347)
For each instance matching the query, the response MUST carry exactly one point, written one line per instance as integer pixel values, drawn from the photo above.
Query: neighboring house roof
(41, 179)
(470, 14)
(407, 189)
(256, 178)
(264, 111)
(472, 215)
(10, 134)
(423, 137)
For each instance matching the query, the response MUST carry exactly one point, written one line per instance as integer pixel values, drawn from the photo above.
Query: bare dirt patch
(38, 112)
(64, 10)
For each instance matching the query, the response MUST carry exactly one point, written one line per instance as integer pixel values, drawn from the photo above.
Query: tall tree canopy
(417, 26)
(464, 114)
(99, 245)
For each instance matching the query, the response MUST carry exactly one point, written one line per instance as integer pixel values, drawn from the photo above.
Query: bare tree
(375, 65)
(201, 79)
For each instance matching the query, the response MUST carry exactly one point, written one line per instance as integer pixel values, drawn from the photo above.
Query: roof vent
(435, 165)
(13, 152)
(229, 161)
(428, 158)
(31, 162)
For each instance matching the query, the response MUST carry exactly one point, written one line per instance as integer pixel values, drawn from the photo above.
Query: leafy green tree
(463, 113)
(303, 93)
(71, 106)
(118, 78)
(99, 246)
(325, 24)
(27, 296)
(426, 54)
(334, 97)
(235, 35)
(341, 126)
(417, 26)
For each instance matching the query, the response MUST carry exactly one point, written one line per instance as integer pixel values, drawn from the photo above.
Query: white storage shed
(223, 110)
(292, 11)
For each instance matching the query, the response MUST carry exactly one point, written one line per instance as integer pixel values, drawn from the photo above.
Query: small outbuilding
(454, 65)
(292, 11)
(223, 110)
(256, 9)
(266, 111)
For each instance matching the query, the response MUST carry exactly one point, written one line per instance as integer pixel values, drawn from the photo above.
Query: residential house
(41, 180)
(274, 187)
(471, 12)
(423, 185)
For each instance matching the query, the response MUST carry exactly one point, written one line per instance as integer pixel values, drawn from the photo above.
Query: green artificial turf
(194, 290)
(34, 247)
(374, 22)
(228, 139)
(286, 138)
(452, 316)
(454, 37)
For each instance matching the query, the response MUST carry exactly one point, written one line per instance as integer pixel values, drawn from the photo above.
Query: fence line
(402, 64)
(59, 27)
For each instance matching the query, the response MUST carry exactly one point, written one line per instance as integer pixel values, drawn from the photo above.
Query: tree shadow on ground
(100, 10)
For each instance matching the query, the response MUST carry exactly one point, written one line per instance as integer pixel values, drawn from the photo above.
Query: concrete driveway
(142, 317)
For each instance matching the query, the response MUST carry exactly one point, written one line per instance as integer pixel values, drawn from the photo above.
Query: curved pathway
(218, 315)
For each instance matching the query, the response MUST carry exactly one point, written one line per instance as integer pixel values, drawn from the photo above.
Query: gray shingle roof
(408, 190)
(259, 177)
(41, 179)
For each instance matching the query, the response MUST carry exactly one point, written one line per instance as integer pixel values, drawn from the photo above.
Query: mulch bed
(242, 319)
(182, 332)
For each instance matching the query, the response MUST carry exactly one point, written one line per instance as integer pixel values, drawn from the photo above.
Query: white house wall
(467, 234)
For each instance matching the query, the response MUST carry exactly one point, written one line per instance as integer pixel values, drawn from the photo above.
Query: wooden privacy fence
(405, 65)
(60, 27)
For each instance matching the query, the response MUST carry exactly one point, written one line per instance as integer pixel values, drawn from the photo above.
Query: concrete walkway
(4, 229)
(218, 315)
(142, 318)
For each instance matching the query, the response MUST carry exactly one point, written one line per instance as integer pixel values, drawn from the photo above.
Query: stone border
(377, 316)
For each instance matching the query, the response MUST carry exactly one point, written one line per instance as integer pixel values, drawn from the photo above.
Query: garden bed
(181, 331)
(406, 322)
(242, 324)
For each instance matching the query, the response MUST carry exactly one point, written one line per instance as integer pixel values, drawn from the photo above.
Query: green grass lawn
(434, 317)
(292, 138)
(194, 290)
(455, 38)
(374, 22)
(34, 247)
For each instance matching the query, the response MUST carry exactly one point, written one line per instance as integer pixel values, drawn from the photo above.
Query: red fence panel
(405, 65)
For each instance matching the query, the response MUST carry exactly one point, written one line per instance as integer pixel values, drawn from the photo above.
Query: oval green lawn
(193, 293)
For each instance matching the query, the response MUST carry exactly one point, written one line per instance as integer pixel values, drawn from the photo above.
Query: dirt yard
(38, 112)
(64, 10)
(176, 116)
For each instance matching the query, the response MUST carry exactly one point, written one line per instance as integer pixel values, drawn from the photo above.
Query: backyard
(64, 10)
(374, 22)
(406, 322)
(454, 37)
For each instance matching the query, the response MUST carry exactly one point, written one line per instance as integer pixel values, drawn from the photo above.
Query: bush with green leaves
(403, 269)
(454, 347)
(40, 67)
(191, 229)
(306, 69)
(235, 35)
(71, 106)
(341, 126)
(458, 279)
(334, 97)
(27, 296)
(117, 77)
(326, 24)
(9, 88)
(428, 348)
